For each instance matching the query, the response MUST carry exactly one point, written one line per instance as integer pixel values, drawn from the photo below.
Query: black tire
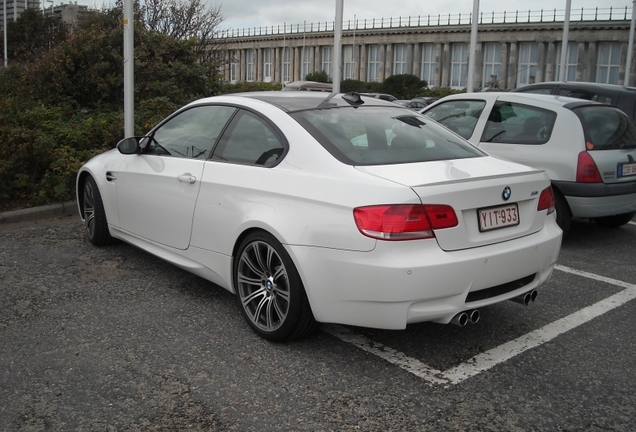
(563, 213)
(615, 221)
(269, 291)
(94, 214)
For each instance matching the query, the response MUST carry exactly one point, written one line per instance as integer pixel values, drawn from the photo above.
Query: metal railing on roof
(506, 17)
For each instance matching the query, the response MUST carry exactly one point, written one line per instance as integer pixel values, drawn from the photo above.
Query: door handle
(110, 176)
(187, 178)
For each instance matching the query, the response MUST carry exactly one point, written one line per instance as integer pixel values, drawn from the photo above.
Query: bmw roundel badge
(507, 192)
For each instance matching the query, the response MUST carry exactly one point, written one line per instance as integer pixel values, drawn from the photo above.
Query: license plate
(498, 217)
(628, 169)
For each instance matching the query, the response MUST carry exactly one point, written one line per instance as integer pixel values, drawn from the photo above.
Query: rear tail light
(586, 170)
(403, 221)
(546, 200)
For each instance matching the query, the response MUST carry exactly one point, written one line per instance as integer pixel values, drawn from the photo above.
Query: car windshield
(607, 128)
(378, 135)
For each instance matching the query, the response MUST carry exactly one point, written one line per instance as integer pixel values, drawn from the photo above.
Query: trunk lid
(471, 186)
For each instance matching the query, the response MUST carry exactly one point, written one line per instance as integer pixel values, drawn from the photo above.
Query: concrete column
(297, 63)
(592, 61)
(550, 62)
(444, 62)
(386, 60)
(505, 67)
(541, 64)
(258, 72)
(582, 71)
(478, 79)
(276, 65)
(416, 60)
(363, 62)
(242, 66)
(312, 59)
(514, 67)
(409, 59)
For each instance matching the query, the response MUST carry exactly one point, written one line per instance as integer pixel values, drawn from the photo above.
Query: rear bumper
(590, 200)
(391, 286)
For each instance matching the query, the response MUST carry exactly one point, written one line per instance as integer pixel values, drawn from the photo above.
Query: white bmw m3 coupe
(326, 208)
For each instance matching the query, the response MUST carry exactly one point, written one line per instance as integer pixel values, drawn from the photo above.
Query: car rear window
(607, 128)
(377, 135)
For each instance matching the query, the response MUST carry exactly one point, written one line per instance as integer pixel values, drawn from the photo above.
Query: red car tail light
(546, 200)
(586, 170)
(403, 221)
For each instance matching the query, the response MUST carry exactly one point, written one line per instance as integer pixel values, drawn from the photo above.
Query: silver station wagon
(587, 149)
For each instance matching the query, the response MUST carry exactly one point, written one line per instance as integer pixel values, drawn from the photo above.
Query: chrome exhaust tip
(461, 319)
(474, 316)
(526, 298)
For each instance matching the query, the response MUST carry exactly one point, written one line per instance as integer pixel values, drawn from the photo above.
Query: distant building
(513, 49)
(69, 13)
(15, 8)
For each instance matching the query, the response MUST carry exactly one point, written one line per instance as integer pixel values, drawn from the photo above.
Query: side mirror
(129, 146)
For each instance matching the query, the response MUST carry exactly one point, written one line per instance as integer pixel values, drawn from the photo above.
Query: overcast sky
(256, 13)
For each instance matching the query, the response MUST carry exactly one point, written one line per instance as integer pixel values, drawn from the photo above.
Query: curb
(60, 209)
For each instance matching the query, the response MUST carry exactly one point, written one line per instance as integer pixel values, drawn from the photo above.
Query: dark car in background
(621, 97)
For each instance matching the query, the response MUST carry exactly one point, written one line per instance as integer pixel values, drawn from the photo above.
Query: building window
(429, 63)
(459, 65)
(528, 61)
(571, 60)
(373, 65)
(349, 62)
(305, 63)
(399, 60)
(286, 64)
(492, 65)
(609, 57)
(233, 66)
(249, 63)
(267, 65)
(327, 56)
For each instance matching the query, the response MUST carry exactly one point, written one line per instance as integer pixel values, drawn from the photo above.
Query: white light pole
(470, 79)
(630, 46)
(129, 70)
(564, 44)
(337, 43)
(4, 28)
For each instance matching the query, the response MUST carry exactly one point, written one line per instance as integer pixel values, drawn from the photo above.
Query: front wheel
(615, 221)
(269, 290)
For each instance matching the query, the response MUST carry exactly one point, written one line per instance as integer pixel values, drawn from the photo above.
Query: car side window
(518, 124)
(542, 90)
(459, 116)
(249, 140)
(191, 133)
(579, 94)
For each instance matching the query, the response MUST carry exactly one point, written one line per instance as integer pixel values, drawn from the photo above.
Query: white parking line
(500, 354)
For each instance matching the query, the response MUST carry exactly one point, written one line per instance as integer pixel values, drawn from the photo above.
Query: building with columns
(512, 49)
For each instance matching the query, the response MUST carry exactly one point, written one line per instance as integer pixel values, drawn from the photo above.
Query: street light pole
(129, 70)
(4, 28)
(337, 44)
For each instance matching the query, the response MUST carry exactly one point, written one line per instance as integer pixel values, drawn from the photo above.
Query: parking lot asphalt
(115, 339)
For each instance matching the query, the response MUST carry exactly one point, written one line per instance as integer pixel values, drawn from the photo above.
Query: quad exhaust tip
(526, 299)
(463, 318)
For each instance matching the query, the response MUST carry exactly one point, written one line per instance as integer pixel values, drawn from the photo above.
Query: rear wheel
(563, 213)
(94, 214)
(614, 221)
(269, 290)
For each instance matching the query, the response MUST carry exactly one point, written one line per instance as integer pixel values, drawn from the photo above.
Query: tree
(320, 76)
(404, 86)
(185, 20)
(32, 35)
